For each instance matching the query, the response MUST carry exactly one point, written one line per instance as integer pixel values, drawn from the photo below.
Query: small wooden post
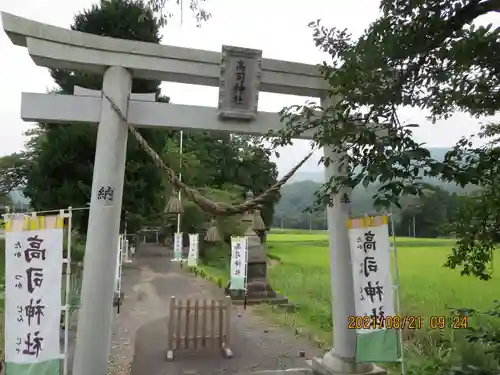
(227, 329)
(171, 325)
(212, 323)
(195, 330)
(187, 324)
(220, 323)
(178, 324)
(204, 324)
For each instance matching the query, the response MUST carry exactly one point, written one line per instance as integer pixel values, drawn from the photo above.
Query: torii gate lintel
(240, 75)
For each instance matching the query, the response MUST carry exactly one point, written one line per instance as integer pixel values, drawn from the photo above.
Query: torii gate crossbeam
(120, 61)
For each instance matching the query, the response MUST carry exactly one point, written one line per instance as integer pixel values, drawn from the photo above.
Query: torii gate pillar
(119, 61)
(103, 226)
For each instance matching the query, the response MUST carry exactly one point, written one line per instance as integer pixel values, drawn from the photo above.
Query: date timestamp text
(407, 322)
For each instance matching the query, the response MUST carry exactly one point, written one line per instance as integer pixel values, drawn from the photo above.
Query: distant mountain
(299, 194)
(308, 176)
(319, 175)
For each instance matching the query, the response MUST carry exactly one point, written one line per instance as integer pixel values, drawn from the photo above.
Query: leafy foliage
(158, 7)
(429, 216)
(425, 54)
(13, 172)
(61, 156)
(227, 165)
(483, 331)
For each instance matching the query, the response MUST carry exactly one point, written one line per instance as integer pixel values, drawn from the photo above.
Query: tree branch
(464, 16)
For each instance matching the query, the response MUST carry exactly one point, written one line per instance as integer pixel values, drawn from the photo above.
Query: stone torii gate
(120, 61)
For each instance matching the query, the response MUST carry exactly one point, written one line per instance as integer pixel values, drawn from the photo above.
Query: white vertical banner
(33, 280)
(125, 250)
(239, 263)
(177, 247)
(376, 340)
(119, 260)
(193, 250)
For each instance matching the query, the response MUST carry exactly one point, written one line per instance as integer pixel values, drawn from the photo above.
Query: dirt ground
(140, 329)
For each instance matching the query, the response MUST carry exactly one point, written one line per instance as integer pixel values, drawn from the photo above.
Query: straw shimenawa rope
(207, 205)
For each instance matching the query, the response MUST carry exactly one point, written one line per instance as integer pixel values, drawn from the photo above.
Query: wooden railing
(199, 325)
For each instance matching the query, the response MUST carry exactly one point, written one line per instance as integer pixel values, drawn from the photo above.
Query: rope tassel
(212, 232)
(174, 205)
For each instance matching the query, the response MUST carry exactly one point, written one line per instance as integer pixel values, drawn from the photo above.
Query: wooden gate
(199, 325)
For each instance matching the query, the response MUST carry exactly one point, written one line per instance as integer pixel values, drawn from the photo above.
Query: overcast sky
(278, 27)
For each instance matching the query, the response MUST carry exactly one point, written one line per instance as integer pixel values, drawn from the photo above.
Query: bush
(486, 333)
(470, 351)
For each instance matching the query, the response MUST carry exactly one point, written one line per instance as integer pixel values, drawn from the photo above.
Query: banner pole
(246, 275)
(67, 292)
(398, 293)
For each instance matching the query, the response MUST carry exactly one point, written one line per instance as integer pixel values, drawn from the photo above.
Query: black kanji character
(35, 278)
(331, 201)
(34, 311)
(373, 291)
(369, 243)
(369, 265)
(105, 193)
(34, 251)
(240, 77)
(240, 66)
(378, 317)
(238, 97)
(33, 344)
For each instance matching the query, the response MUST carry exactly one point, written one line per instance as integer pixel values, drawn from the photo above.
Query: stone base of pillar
(330, 364)
(257, 292)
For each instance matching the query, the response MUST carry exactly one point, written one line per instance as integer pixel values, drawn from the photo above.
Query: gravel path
(140, 330)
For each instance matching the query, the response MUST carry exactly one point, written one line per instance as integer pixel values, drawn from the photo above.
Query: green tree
(426, 54)
(219, 160)
(61, 155)
(12, 172)
(256, 173)
(429, 214)
(158, 7)
(4, 201)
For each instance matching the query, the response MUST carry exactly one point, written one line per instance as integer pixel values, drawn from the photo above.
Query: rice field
(301, 271)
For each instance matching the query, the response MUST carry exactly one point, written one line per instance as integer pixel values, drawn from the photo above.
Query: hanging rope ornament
(257, 222)
(212, 232)
(207, 205)
(174, 205)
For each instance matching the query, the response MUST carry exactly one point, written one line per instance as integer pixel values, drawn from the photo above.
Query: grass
(216, 262)
(303, 275)
(427, 288)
